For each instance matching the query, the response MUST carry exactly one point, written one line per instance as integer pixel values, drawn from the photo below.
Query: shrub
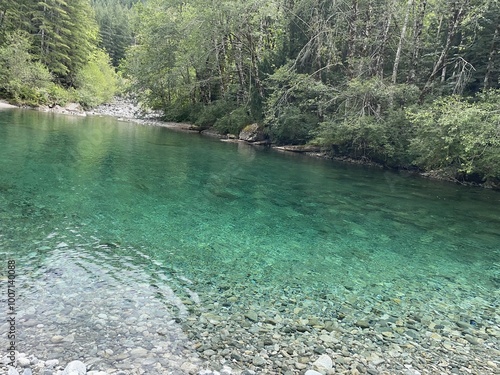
(234, 121)
(459, 135)
(97, 81)
(24, 79)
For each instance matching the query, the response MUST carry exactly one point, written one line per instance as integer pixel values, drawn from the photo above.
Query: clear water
(93, 208)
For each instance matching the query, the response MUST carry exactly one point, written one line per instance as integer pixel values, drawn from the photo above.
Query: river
(139, 248)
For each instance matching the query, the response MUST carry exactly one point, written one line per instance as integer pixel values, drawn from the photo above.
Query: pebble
(23, 362)
(75, 368)
(362, 324)
(138, 352)
(57, 339)
(258, 361)
(324, 361)
(473, 340)
(252, 315)
(189, 368)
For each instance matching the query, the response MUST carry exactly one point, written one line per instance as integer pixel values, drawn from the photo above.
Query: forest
(409, 84)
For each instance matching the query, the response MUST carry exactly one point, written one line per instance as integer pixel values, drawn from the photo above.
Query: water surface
(107, 216)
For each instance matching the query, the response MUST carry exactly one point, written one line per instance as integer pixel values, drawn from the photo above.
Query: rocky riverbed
(94, 302)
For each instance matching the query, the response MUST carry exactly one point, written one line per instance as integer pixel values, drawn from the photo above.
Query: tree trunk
(2, 17)
(352, 39)
(417, 33)
(491, 57)
(238, 62)
(455, 20)
(400, 44)
(379, 69)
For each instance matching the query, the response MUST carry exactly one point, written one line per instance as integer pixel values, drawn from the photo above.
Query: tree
(22, 77)
(65, 34)
(115, 31)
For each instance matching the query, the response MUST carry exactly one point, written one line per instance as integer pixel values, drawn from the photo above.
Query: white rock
(51, 363)
(324, 361)
(139, 352)
(23, 362)
(12, 371)
(328, 338)
(75, 368)
(312, 372)
(189, 368)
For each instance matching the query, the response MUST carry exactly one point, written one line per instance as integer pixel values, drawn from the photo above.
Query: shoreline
(121, 109)
(124, 109)
(5, 105)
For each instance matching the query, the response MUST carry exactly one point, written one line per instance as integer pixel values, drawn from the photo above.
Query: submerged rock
(75, 368)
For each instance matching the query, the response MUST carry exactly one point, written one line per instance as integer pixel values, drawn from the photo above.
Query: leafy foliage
(459, 135)
(115, 31)
(296, 105)
(97, 81)
(21, 76)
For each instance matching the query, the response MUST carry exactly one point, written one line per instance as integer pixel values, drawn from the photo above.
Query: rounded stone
(324, 361)
(138, 352)
(75, 368)
(312, 372)
(258, 361)
(23, 362)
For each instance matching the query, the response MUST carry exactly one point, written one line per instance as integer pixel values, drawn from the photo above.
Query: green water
(100, 196)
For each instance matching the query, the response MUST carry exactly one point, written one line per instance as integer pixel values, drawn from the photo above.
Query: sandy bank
(4, 105)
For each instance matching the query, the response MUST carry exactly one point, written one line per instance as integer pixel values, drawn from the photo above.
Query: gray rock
(209, 352)
(252, 133)
(189, 368)
(138, 352)
(362, 324)
(12, 371)
(75, 368)
(57, 339)
(252, 315)
(27, 371)
(312, 372)
(258, 361)
(471, 339)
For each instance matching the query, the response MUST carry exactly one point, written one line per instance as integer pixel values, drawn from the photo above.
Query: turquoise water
(101, 199)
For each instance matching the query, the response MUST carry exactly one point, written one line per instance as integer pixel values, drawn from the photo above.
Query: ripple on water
(109, 306)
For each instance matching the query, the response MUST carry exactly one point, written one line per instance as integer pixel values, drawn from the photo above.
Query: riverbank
(126, 110)
(5, 105)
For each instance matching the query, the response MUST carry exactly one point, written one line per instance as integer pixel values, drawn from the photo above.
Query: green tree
(65, 35)
(459, 136)
(97, 81)
(22, 77)
(115, 31)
